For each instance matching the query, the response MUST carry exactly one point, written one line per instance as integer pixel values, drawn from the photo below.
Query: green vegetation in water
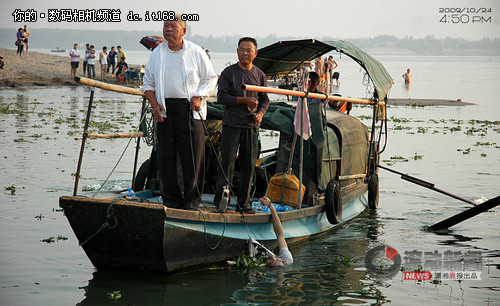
(19, 140)
(484, 143)
(115, 295)
(39, 217)
(88, 188)
(344, 261)
(49, 240)
(417, 156)
(12, 189)
(246, 261)
(398, 158)
(54, 239)
(5, 109)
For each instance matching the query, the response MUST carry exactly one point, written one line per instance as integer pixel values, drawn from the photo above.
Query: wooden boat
(339, 173)
(58, 50)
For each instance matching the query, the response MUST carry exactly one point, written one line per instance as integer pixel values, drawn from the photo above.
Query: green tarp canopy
(283, 57)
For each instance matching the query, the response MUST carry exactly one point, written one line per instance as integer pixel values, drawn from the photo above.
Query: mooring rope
(109, 216)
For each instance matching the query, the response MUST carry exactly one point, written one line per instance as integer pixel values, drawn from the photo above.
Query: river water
(457, 148)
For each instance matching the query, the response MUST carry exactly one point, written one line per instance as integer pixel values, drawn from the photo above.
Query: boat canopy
(283, 57)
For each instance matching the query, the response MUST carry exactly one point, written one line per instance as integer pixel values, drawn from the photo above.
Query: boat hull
(150, 237)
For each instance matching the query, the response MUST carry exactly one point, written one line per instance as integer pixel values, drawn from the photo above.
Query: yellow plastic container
(291, 189)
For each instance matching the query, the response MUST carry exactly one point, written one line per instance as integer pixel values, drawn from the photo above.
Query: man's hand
(157, 109)
(251, 102)
(195, 103)
(258, 117)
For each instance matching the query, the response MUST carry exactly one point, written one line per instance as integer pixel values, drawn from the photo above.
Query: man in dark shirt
(243, 112)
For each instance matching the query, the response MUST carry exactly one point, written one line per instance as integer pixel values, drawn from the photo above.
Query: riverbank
(39, 69)
(34, 69)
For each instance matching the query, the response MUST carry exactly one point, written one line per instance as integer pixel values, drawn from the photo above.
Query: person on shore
(121, 53)
(208, 54)
(91, 62)
(243, 112)
(85, 56)
(103, 61)
(20, 41)
(178, 78)
(119, 68)
(111, 60)
(284, 257)
(75, 59)
(26, 35)
(1, 62)
(407, 76)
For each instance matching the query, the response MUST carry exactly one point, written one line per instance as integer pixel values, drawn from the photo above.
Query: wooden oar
(112, 87)
(469, 213)
(310, 95)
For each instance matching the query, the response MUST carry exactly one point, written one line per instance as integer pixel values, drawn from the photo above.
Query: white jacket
(198, 74)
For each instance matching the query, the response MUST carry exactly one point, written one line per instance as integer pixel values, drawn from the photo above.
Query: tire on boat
(142, 175)
(333, 202)
(373, 191)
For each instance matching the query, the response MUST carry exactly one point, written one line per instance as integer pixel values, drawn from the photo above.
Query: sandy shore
(39, 69)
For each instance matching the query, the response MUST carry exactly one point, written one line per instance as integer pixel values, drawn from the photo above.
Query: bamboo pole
(110, 136)
(309, 95)
(112, 87)
(84, 137)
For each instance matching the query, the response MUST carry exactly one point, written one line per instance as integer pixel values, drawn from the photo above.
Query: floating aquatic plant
(246, 261)
(115, 295)
(12, 189)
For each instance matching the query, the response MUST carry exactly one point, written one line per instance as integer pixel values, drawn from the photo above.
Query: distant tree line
(129, 40)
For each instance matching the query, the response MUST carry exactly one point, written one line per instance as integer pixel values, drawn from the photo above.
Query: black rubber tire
(373, 191)
(333, 203)
(142, 175)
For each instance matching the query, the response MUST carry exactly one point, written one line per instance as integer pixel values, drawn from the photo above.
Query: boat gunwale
(212, 216)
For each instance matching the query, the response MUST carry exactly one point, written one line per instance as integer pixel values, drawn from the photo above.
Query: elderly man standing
(178, 78)
(243, 112)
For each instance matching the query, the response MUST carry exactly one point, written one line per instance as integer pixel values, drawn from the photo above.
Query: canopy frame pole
(301, 157)
(82, 147)
(302, 94)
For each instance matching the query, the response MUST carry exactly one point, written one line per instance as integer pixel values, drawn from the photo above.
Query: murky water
(453, 147)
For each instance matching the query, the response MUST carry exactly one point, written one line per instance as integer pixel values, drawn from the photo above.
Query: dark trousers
(246, 140)
(91, 70)
(180, 133)
(111, 65)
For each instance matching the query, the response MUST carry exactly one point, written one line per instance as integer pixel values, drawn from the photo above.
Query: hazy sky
(337, 19)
